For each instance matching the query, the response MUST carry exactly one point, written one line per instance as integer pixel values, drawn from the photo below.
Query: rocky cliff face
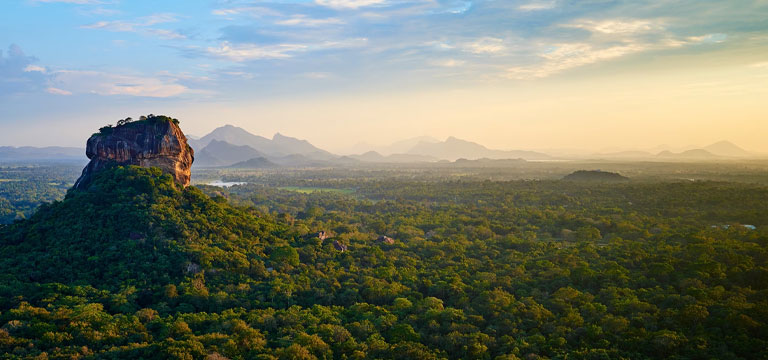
(154, 142)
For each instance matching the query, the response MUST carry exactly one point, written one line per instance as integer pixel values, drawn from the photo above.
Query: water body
(220, 183)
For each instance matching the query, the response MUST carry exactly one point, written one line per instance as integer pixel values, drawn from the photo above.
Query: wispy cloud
(611, 39)
(567, 56)
(253, 11)
(537, 5)
(102, 83)
(303, 20)
(618, 26)
(57, 91)
(141, 25)
(449, 63)
(247, 52)
(485, 46)
(349, 4)
(244, 52)
(79, 2)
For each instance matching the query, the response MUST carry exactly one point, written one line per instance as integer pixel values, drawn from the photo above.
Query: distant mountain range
(719, 150)
(231, 146)
(453, 149)
(52, 153)
(398, 147)
(279, 145)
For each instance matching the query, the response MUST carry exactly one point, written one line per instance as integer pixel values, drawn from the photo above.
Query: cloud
(303, 20)
(485, 46)
(349, 4)
(254, 11)
(18, 74)
(103, 83)
(78, 2)
(459, 8)
(567, 56)
(246, 52)
(449, 63)
(537, 5)
(141, 25)
(634, 36)
(36, 68)
(619, 26)
(57, 91)
(709, 38)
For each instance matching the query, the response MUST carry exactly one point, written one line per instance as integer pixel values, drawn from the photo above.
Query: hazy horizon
(590, 76)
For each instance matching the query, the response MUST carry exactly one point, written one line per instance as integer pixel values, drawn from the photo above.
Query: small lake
(220, 183)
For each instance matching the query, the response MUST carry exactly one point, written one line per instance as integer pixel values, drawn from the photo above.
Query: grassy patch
(309, 190)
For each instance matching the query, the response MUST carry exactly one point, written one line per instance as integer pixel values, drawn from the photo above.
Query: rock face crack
(147, 143)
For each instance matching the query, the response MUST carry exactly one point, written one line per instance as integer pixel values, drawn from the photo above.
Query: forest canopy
(137, 267)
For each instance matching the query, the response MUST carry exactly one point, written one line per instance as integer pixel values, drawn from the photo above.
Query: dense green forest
(136, 267)
(24, 187)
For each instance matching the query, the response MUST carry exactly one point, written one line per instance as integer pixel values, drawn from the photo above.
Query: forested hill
(135, 227)
(135, 266)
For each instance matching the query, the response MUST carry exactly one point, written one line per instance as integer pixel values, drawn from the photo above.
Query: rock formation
(386, 240)
(156, 141)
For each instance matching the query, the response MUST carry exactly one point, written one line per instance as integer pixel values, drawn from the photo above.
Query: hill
(130, 226)
(279, 145)
(595, 176)
(255, 163)
(693, 154)
(454, 148)
(727, 148)
(222, 153)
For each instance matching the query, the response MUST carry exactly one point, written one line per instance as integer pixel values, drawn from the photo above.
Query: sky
(592, 75)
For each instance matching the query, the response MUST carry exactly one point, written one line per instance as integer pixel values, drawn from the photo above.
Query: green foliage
(150, 119)
(136, 267)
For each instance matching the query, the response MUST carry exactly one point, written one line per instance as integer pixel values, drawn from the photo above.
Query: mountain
(27, 153)
(279, 145)
(222, 153)
(289, 145)
(375, 157)
(694, 154)
(398, 147)
(255, 163)
(233, 135)
(454, 148)
(727, 148)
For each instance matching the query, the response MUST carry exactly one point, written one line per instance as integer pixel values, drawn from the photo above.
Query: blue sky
(341, 71)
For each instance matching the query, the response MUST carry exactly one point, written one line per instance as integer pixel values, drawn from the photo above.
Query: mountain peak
(726, 148)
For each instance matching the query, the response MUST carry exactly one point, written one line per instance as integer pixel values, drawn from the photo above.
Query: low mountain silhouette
(695, 154)
(222, 153)
(454, 148)
(727, 148)
(375, 157)
(595, 176)
(398, 147)
(255, 163)
(29, 153)
(279, 145)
